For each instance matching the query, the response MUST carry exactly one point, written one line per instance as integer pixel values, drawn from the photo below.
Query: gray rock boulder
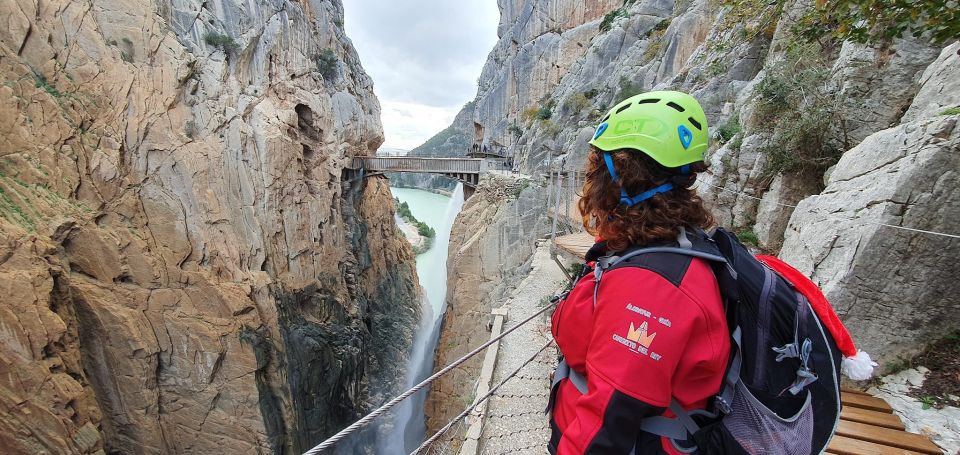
(893, 288)
(941, 86)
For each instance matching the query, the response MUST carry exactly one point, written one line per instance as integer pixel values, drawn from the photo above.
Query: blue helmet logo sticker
(686, 137)
(600, 130)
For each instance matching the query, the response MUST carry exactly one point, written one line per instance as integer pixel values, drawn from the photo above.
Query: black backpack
(781, 391)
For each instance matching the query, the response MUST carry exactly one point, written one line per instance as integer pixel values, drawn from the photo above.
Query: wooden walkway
(466, 170)
(868, 425)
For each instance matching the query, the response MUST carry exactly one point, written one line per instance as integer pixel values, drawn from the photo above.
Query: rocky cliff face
(490, 247)
(783, 111)
(184, 265)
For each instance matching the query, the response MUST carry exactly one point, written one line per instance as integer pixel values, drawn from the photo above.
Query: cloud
(426, 53)
(410, 124)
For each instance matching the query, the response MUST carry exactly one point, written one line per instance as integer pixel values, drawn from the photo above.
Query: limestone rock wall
(893, 288)
(184, 267)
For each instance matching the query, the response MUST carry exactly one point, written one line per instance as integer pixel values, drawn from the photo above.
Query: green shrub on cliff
(727, 130)
(881, 20)
(327, 62)
(607, 23)
(796, 106)
(628, 88)
(227, 44)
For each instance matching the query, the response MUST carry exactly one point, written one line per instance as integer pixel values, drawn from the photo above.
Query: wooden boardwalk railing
(426, 165)
(868, 425)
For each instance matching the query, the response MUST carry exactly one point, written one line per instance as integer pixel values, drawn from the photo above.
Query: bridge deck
(426, 165)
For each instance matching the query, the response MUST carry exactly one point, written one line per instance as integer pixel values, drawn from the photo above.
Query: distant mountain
(455, 140)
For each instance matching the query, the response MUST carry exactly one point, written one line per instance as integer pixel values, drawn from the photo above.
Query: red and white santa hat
(856, 365)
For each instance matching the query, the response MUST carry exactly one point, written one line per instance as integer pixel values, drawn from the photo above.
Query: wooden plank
(575, 244)
(865, 402)
(887, 437)
(876, 418)
(853, 391)
(841, 445)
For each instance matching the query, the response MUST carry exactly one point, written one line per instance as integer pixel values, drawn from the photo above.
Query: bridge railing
(430, 165)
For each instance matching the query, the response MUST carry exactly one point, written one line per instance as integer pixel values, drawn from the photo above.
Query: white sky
(424, 57)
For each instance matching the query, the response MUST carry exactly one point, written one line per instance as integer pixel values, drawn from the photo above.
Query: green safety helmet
(668, 126)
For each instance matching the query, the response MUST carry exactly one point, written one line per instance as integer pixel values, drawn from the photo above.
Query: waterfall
(409, 423)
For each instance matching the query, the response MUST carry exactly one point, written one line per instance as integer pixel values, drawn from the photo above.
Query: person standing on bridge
(655, 332)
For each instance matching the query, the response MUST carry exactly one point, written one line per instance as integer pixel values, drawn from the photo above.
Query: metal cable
(922, 231)
(333, 440)
(479, 401)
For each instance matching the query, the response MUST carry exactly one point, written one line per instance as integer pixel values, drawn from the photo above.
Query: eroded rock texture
(184, 266)
(893, 288)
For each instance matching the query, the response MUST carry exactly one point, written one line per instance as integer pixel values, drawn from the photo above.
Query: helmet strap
(625, 198)
(631, 201)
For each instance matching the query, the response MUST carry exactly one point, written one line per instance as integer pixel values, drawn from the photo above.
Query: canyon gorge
(189, 264)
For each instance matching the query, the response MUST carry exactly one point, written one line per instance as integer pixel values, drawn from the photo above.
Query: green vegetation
(749, 237)
(40, 81)
(403, 211)
(741, 22)
(628, 88)
(425, 230)
(607, 23)
(225, 43)
(518, 188)
(529, 114)
(880, 20)
(12, 212)
(576, 103)
(795, 105)
(541, 114)
(327, 63)
(653, 49)
(729, 129)
(544, 113)
(447, 142)
(951, 111)
(901, 363)
(515, 130)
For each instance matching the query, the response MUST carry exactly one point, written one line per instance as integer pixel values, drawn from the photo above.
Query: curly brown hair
(655, 220)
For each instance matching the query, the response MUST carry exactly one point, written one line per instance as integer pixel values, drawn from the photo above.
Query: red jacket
(658, 331)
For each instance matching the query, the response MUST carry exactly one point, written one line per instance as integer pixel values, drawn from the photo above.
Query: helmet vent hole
(605, 119)
(622, 109)
(676, 106)
(695, 123)
(648, 101)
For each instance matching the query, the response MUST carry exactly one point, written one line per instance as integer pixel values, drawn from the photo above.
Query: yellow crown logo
(640, 335)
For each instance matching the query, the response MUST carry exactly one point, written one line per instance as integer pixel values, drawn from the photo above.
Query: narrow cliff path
(515, 422)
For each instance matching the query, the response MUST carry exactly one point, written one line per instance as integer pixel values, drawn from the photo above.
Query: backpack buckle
(722, 405)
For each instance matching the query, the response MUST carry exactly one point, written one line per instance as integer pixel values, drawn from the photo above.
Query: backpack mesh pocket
(760, 431)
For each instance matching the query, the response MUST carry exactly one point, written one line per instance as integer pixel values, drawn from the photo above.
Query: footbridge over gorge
(465, 170)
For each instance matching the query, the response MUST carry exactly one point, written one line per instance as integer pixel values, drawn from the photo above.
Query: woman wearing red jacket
(654, 332)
